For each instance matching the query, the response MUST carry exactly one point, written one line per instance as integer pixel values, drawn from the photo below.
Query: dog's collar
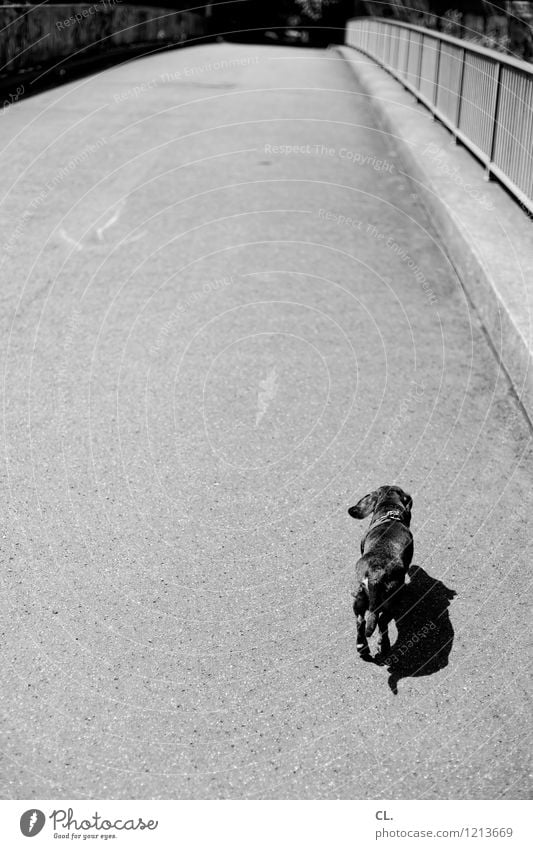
(390, 515)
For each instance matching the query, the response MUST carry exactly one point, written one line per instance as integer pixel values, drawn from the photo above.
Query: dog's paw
(363, 650)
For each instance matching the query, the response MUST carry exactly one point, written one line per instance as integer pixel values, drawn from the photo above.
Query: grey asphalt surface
(211, 348)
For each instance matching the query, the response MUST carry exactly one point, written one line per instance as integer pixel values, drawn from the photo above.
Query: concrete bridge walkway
(225, 318)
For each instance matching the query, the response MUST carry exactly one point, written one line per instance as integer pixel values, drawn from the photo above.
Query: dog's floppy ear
(365, 506)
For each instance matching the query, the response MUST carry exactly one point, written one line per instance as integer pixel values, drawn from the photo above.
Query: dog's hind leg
(360, 606)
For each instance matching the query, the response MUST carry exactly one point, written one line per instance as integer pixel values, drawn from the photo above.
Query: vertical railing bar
(495, 120)
(501, 141)
(528, 132)
(528, 180)
(460, 92)
(525, 132)
(443, 92)
(522, 159)
(530, 154)
(437, 71)
(513, 161)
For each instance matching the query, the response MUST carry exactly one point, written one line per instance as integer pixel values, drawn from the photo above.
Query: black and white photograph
(266, 302)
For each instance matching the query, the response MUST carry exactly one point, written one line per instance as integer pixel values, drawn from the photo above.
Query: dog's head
(383, 498)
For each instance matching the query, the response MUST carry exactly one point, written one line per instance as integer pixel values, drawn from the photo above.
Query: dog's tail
(373, 602)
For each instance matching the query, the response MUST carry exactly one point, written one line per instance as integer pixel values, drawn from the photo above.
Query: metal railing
(485, 98)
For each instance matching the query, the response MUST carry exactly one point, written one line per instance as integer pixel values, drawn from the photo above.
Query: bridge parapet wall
(46, 35)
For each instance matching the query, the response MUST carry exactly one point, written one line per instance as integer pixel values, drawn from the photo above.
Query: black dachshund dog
(386, 553)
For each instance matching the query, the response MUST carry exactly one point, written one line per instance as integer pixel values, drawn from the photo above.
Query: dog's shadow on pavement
(425, 632)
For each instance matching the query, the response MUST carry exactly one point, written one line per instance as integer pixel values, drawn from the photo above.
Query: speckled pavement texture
(213, 345)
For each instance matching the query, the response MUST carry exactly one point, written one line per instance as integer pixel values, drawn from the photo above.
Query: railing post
(437, 71)
(460, 94)
(495, 121)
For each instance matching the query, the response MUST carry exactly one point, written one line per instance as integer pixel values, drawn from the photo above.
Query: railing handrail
(464, 43)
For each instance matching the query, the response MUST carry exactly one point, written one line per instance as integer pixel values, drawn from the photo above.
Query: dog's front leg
(362, 642)
(359, 608)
